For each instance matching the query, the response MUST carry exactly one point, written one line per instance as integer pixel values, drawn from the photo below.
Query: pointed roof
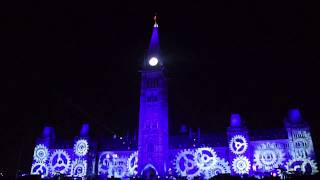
(154, 47)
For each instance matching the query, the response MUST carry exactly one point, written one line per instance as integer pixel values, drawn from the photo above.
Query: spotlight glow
(153, 61)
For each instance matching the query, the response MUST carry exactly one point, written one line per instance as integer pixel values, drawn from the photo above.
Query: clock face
(153, 61)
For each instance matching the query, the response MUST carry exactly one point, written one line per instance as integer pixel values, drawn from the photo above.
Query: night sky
(63, 64)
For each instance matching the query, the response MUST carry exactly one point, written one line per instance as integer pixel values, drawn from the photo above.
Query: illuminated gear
(268, 156)
(241, 165)
(60, 162)
(185, 164)
(238, 144)
(41, 153)
(119, 167)
(220, 167)
(81, 147)
(79, 168)
(205, 158)
(40, 169)
(106, 161)
(132, 164)
(304, 165)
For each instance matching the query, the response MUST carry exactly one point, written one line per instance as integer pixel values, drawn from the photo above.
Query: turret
(238, 140)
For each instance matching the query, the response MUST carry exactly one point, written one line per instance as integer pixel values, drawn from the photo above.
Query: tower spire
(154, 46)
(155, 20)
(153, 55)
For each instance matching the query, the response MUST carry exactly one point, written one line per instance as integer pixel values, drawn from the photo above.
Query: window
(152, 83)
(150, 148)
(155, 125)
(152, 98)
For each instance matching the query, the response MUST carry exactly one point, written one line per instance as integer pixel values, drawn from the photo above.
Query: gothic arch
(149, 166)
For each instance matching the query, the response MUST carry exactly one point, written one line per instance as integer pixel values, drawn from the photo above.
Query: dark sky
(66, 63)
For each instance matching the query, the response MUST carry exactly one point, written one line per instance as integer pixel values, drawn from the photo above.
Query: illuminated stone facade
(238, 151)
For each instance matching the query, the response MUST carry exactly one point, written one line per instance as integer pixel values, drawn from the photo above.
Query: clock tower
(153, 115)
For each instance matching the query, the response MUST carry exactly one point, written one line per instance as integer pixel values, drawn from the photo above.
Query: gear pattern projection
(81, 147)
(205, 158)
(220, 167)
(119, 167)
(241, 165)
(267, 156)
(132, 164)
(306, 166)
(79, 168)
(40, 169)
(105, 163)
(41, 153)
(238, 144)
(301, 147)
(185, 164)
(60, 162)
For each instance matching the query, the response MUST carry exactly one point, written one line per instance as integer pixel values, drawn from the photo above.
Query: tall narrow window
(150, 148)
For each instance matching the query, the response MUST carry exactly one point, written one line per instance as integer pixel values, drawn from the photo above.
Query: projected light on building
(239, 151)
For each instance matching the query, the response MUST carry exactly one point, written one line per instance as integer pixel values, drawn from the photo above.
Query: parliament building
(238, 151)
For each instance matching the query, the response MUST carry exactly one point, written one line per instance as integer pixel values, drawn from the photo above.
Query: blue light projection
(153, 136)
(241, 165)
(243, 154)
(41, 153)
(154, 47)
(116, 165)
(220, 167)
(84, 132)
(40, 169)
(81, 147)
(106, 160)
(79, 168)
(119, 169)
(185, 164)
(132, 164)
(205, 158)
(238, 144)
(60, 162)
(295, 115)
(199, 162)
(235, 120)
(301, 145)
(268, 156)
(204, 162)
(305, 166)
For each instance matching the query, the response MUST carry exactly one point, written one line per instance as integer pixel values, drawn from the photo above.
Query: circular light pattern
(119, 167)
(40, 169)
(205, 158)
(79, 168)
(60, 162)
(81, 147)
(185, 164)
(238, 144)
(220, 167)
(267, 156)
(106, 161)
(153, 61)
(241, 165)
(132, 164)
(304, 165)
(41, 153)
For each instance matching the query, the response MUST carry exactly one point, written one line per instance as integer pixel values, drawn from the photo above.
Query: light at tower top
(155, 21)
(153, 56)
